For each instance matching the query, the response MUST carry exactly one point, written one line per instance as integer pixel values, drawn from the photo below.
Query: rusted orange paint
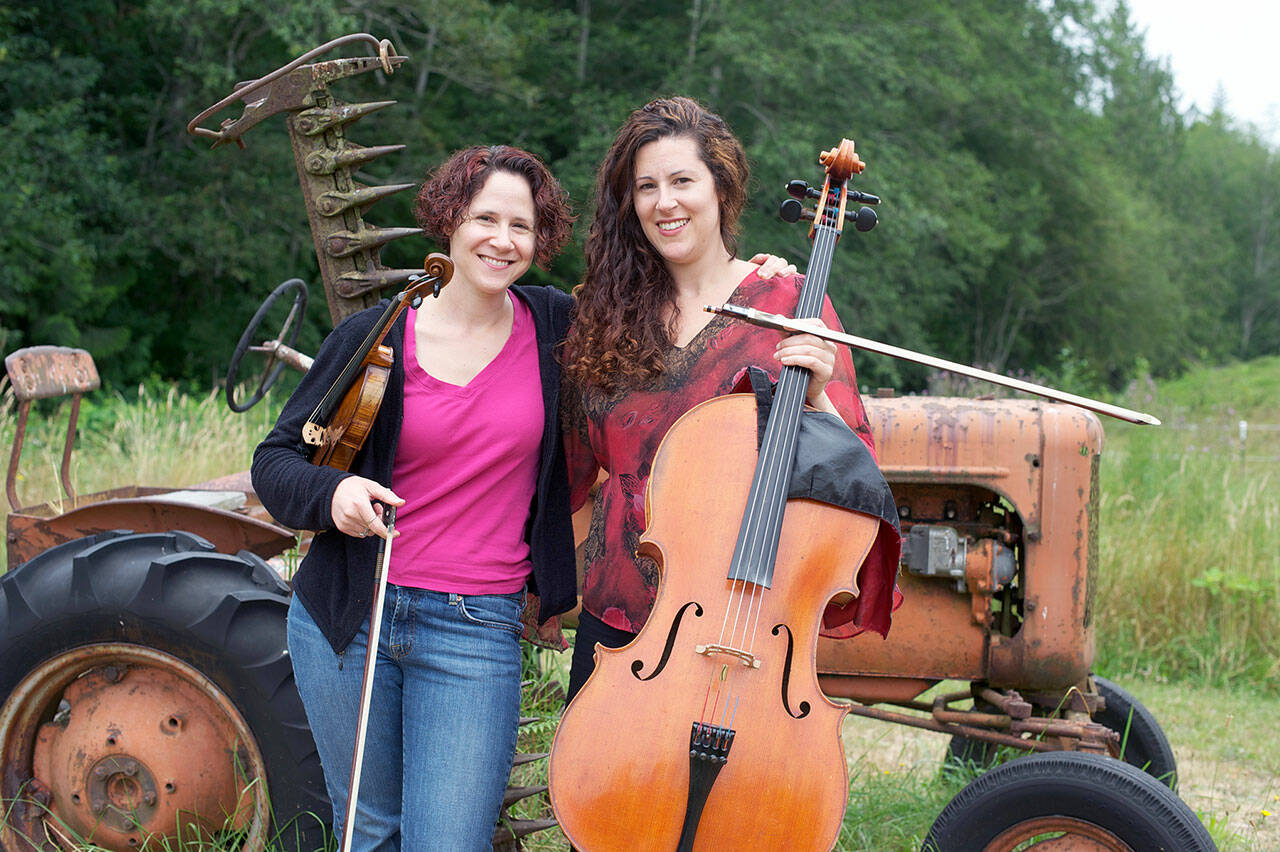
(1038, 458)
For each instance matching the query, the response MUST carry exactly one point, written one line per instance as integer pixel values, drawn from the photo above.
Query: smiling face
(676, 201)
(495, 242)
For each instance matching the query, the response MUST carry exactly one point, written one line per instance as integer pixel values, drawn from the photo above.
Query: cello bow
(781, 323)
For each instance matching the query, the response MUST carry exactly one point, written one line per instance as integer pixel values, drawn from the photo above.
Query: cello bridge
(745, 657)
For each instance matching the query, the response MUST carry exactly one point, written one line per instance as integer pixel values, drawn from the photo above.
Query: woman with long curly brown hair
(641, 351)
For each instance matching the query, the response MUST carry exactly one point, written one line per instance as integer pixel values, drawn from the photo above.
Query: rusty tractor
(146, 685)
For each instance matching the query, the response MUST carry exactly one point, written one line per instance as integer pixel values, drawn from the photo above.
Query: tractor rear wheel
(1067, 800)
(148, 691)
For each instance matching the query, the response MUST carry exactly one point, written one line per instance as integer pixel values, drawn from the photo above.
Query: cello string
(761, 537)
(790, 384)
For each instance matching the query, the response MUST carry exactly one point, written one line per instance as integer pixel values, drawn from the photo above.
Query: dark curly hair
(445, 196)
(626, 299)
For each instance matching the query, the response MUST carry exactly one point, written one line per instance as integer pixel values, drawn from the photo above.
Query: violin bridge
(312, 434)
(745, 657)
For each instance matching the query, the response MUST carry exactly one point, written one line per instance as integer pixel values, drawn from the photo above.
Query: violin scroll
(440, 267)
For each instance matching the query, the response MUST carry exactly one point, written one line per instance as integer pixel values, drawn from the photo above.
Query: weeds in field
(1189, 580)
(158, 437)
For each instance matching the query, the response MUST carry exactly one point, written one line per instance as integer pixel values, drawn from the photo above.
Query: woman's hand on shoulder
(815, 354)
(772, 266)
(357, 506)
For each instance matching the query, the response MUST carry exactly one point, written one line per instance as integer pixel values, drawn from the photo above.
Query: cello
(708, 732)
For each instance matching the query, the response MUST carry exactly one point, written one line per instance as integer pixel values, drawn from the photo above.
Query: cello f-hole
(637, 665)
(786, 676)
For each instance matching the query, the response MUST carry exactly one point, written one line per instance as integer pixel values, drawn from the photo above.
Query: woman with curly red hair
(467, 444)
(642, 351)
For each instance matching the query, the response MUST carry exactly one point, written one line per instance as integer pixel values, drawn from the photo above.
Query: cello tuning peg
(792, 210)
(802, 190)
(864, 220)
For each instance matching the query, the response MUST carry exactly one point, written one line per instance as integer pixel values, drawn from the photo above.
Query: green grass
(1189, 580)
(155, 436)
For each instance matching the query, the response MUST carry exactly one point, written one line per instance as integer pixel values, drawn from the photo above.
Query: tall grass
(1189, 581)
(156, 436)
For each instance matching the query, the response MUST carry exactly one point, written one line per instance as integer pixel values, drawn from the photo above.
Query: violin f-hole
(637, 665)
(786, 676)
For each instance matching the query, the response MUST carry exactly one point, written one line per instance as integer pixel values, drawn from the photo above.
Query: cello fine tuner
(745, 657)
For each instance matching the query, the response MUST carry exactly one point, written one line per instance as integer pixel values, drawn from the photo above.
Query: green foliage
(1038, 179)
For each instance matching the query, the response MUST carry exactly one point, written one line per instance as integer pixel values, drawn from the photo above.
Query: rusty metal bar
(949, 728)
(254, 112)
(10, 483)
(298, 360)
(66, 448)
(1010, 703)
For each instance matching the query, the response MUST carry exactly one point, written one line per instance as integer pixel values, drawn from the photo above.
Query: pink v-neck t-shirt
(466, 466)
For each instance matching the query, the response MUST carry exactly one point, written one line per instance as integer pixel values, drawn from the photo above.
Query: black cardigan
(335, 580)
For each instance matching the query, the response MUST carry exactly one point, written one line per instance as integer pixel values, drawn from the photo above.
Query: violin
(340, 423)
(708, 732)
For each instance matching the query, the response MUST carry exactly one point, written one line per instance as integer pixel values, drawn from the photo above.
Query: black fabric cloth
(335, 579)
(832, 464)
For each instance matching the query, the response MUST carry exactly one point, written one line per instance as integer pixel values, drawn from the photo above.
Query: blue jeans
(442, 719)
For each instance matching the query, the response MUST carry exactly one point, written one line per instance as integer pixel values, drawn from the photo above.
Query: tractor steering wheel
(285, 338)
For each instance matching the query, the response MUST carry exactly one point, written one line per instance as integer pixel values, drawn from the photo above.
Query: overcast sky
(1227, 42)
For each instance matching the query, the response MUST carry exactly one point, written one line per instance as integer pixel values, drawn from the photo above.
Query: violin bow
(781, 323)
(370, 661)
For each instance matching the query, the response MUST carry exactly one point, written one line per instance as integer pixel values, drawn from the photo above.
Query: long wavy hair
(625, 308)
(445, 196)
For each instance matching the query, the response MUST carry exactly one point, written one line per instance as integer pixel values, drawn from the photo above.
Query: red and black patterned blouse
(620, 433)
